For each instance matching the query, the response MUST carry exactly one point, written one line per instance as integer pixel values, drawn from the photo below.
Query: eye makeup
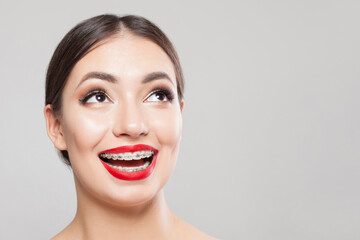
(161, 94)
(164, 91)
(99, 93)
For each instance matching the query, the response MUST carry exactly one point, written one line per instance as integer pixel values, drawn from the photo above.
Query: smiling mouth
(129, 161)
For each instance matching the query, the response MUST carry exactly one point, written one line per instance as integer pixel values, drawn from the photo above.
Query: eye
(157, 97)
(95, 97)
(98, 98)
(160, 95)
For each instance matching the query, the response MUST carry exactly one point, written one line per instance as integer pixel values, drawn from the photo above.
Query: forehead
(125, 56)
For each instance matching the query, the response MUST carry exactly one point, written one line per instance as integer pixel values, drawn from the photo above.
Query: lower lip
(131, 176)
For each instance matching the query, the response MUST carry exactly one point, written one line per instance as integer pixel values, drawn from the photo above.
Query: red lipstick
(121, 173)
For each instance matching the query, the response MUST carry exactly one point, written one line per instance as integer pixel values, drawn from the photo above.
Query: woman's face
(120, 102)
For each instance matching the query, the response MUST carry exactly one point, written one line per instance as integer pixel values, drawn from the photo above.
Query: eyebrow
(99, 75)
(156, 76)
(112, 79)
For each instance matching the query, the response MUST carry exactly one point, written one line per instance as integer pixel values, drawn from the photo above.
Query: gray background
(270, 147)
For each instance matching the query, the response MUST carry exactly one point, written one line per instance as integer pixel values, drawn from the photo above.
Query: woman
(114, 101)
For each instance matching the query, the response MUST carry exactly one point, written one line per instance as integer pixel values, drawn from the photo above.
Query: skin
(130, 113)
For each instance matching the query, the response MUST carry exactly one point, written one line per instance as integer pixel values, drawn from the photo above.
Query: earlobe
(182, 106)
(53, 128)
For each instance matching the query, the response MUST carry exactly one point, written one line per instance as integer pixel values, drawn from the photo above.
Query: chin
(94, 181)
(105, 189)
(133, 197)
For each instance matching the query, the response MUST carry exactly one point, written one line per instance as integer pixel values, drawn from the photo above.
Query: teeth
(137, 156)
(130, 169)
(128, 156)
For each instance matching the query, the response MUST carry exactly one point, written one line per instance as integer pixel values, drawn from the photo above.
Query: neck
(96, 220)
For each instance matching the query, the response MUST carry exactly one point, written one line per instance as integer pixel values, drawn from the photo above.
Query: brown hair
(84, 37)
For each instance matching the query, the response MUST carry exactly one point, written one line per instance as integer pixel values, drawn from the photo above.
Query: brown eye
(96, 97)
(160, 96)
(100, 97)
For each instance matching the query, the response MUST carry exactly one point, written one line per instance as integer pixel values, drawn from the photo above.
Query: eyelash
(168, 94)
(92, 93)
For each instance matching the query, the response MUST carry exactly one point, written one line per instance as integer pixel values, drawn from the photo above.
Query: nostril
(130, 118)
(131, 130)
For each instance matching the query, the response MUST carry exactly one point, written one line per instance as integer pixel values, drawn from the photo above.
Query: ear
(53, 128)
(182, 106)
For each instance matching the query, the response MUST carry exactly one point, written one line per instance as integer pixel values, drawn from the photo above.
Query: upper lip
(130, 148)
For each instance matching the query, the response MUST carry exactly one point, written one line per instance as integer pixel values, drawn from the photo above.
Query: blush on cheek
(168, 128)
(84, 132)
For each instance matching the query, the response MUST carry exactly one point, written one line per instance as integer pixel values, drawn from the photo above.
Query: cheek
(168, 126)
(84, 130)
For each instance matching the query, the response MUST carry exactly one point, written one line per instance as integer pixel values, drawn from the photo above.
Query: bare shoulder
(67, 234)
(63, 235)
(59, 236)
(187, 231)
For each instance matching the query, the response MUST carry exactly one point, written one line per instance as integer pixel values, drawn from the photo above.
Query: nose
(130, 121)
